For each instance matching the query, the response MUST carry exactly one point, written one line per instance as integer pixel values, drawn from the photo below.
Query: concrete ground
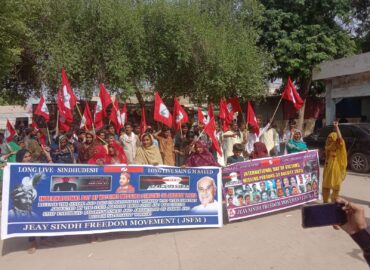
(273, 241)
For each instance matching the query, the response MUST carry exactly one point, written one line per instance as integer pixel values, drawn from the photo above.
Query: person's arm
(5, 157)
(264, 129)
(46, 151)
(156, 135)
(336, 126)
(229, 135)
(356, 226)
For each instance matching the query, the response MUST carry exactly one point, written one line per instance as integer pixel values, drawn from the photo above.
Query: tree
(96, 41)
(202, 49)
(301, 34)
(13, 36)
(360, 25)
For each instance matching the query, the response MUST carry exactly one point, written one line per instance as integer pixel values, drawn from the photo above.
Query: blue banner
(50, 199)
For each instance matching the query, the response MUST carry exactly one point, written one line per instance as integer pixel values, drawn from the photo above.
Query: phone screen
(323, 215)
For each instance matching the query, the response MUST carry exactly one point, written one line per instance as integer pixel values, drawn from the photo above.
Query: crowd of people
(189, 147)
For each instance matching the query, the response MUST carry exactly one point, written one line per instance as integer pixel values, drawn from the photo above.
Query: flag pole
(57, 126)
(277, 107)
(79, 111)
(47, 130)
(180, 130)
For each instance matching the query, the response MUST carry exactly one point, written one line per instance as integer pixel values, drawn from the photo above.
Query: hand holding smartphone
(323, 215)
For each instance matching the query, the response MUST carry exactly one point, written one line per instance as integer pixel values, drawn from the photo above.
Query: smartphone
(323, 215)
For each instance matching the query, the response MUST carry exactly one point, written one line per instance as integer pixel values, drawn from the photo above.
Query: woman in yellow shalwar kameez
(335, 165)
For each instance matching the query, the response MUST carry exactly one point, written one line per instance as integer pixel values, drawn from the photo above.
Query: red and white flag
(105, 99)
(86, 120)
(233, 102)
(69, 97)
(115, 116)
(98, 114)
(161, 112)
(290, 93)
(203, 117)
(252, 120)
(35, 126)
(210, 130)
(9, 132)
(142, 121)
(65, 116)
(123, 113)
(179, 114)
(42, 110)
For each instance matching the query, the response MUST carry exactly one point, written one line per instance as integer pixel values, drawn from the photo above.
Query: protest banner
(260, 186)
(50, 199)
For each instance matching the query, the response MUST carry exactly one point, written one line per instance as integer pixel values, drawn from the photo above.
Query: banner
(260, 186)
(50, 199)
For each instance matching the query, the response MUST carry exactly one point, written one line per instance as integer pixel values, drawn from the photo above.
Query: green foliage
(12, 32)
(13, 39)
(303, 33)
(203, 49)
(96, 41)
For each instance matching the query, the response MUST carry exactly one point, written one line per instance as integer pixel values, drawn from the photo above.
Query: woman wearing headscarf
(100, 156)
(148, 153)
(166, 146)
(260, 151)
(116, 153)
(64, 153)
(335, 165)
(296, 144)
(201, 156)
(87, 148)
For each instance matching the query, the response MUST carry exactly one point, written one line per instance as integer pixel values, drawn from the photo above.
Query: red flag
(234, 102)
(252, 120)
(210, 130)
(123, 115)
(202, 117)
(115, 116)
(161, 113)
(142, 121)
(65, 115)
(35, 126)
(290, 93)
(70, 99)
(86, 121)
(223, 108)
(179, 114)
(224, 115)
(9, 132)
(98, 114)
(63, 109)
(105, 99)
(42, 110)
(211, 114)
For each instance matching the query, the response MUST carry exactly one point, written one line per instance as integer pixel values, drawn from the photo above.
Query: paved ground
(274, 241)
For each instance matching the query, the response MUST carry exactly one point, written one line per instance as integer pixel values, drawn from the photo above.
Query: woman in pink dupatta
(201, 156)
(116, 153)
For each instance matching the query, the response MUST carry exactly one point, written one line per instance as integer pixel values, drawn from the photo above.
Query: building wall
(11, 113)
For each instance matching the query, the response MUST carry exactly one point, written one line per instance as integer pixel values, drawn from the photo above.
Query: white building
(11, 113)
